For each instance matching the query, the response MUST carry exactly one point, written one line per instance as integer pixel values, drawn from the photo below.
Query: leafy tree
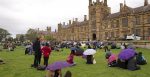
(48, 37)
(31, 34)
(22, 38)
(3, 34)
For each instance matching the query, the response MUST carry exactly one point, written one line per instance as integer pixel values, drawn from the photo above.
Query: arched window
(125, 22)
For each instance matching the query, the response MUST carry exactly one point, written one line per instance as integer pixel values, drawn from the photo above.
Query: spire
(85, 17)
(90, 2)
(124, 2)
(145, 2)
(105, 2)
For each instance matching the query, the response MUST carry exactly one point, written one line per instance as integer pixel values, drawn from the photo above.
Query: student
(122, 63)
(90, 58)
(55, 73)
(46, 52)
(108, 53)
(70, 58)
(105, 47)
(68, 74)
(132, 65)
(140, 59)
(38, 53)
(112, 60)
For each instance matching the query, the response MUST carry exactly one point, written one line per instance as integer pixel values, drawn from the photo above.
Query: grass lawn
(18, 65)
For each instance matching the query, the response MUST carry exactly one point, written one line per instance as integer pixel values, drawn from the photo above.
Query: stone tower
(59, 26)
(97, 12)
(48, 29)
(145, 2)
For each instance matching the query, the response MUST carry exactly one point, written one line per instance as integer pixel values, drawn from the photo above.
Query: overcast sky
(17, 16)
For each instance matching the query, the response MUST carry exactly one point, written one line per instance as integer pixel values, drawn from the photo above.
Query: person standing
(46, 50)
(38, 53)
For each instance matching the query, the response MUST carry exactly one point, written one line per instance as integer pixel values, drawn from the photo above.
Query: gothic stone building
(102, 25)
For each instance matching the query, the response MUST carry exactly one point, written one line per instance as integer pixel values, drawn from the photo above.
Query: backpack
(42, 68)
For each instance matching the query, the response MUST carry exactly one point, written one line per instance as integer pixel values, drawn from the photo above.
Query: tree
(31, 34)
(22, 38)
(48, 38)
(3, 34)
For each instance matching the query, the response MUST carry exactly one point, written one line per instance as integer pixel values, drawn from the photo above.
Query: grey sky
(17, 16)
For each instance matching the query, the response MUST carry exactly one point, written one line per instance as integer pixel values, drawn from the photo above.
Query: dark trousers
(46, 61)
(37, 60)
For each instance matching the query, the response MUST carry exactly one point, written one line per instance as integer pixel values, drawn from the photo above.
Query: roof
(142, 9)
(131, 10)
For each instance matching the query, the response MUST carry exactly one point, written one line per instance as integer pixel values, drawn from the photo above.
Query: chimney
(90, 2)
(76, 19)
(105, 2)
(121, 6)
(85, 17)
(69, 22)
(63, 23)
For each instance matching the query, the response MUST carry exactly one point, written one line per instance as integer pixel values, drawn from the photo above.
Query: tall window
(112, 24)
(137, 20)
(125, 22)
(112, 34)
(148, 31)
(117, 23)
(148, 19)
(137, 32)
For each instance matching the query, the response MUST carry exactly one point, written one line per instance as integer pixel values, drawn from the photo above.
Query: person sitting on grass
(112, 60)
(108, 53)
(55, 73)
(70, 58)
(140, 59)
(90, 58)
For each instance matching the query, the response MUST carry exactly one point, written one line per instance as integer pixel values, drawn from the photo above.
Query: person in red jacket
(46, 50)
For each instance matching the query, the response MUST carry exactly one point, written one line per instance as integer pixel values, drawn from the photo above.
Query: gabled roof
(131, 10)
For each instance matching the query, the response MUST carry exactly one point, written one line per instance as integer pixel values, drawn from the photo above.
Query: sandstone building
(102, 25)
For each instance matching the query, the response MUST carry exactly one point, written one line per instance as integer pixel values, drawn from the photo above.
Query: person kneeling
(132, 65)
(112, 62)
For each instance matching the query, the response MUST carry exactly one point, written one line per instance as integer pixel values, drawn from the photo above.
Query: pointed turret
(90, 2)
(105, 2)
(145, 2)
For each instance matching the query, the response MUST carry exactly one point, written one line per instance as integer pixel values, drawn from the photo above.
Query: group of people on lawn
(113, 61)
(130, 64)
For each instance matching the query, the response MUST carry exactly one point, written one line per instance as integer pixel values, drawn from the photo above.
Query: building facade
(102, 25)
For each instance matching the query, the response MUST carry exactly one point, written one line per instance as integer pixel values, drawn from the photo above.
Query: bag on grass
(42, 68)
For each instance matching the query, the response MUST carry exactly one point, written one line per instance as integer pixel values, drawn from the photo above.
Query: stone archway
(94, 36)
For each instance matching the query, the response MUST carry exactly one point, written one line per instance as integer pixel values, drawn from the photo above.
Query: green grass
(18, 65)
